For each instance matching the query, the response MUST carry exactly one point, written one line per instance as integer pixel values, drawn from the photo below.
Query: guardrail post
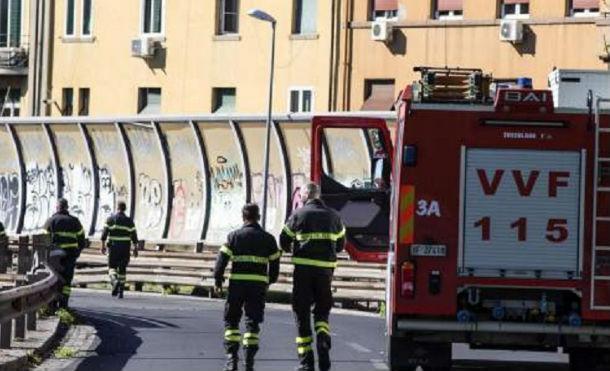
(5, 255)
(41, 245)
(6, 330)
(30, 317)
(24, 261)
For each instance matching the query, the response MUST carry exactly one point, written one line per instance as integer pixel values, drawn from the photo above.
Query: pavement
(152, 332)
(16, 358)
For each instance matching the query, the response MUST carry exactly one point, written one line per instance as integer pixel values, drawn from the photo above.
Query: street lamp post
(263, 16)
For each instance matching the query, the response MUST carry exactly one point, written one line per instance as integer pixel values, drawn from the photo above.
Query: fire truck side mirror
(409, 156)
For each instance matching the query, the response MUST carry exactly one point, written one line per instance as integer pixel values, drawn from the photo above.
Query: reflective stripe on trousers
(304, 344)
(232, 335)
(250, 339)
(322, 327)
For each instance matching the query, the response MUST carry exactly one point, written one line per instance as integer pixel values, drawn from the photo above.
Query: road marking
(359, 348)
(379, 364)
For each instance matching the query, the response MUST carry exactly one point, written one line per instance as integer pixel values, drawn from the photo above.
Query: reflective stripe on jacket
(253, 254)
(314, 234)
(120, 230)
(66, 231)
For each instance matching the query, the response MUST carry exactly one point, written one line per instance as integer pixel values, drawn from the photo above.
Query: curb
(18, 354)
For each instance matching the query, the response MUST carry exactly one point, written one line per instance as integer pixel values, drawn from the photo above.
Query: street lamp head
(261, 15)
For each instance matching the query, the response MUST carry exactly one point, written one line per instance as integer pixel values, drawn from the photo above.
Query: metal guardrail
(35, 285)
(353, 282)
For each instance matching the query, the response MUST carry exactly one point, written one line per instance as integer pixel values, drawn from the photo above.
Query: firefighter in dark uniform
(120, 232)
(68, 235)
(2, 231)
(255, 264)
(315, 234)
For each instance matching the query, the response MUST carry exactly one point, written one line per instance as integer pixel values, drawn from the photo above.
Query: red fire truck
(497, 219)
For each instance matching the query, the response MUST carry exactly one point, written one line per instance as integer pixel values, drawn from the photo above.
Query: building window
(149, 101)
(223, 100)
(300, 100)
(378, 95)
(70, 21)
(584, 8)
(448, 9)
(10, 102)
(86, 18)
(10, 23)
(152, 16)
(228, 16)
(67, 99)
(383, 9)
(305, 17)
(83, 101)
(515, 9)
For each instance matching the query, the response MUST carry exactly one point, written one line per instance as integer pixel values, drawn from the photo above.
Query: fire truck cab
(497, 209)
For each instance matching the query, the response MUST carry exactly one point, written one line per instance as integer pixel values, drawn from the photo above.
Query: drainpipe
(337, 61)
(33, 59)
(347, 56)
(47, 35)
(331, 61)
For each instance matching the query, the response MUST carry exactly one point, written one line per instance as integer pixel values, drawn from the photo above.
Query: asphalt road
(154, 332)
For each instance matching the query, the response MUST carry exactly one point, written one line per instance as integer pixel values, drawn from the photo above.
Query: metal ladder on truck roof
(597, 190)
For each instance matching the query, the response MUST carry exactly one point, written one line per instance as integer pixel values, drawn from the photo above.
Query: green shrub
(64, 352)
(66, 317)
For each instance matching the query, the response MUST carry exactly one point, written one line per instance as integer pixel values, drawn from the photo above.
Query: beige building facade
(210, 57)
(15, 56)
(179, 57)
(556, 33)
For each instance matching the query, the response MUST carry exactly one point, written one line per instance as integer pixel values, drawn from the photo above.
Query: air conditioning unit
(381, 30)
(143, 47)
(511, 30)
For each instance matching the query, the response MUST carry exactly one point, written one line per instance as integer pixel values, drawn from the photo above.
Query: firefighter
(67, 235)
(120, 232)
(255, 264)
(315, 234)
(2, 231)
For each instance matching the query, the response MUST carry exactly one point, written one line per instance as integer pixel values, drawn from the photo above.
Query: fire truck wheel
(403, 353)
(588, 360)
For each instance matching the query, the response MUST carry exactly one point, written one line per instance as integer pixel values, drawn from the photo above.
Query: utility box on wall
(571, 87)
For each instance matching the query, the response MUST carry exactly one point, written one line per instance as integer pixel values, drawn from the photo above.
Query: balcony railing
(13, 54)
(13, 61)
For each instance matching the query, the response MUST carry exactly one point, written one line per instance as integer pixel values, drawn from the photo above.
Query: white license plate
(428, 250)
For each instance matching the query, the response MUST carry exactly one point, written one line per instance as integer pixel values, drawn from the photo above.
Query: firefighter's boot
(232, 362)
(249, 361)
(306, 362)
(323, 346)
(114, 283)
(120, 290)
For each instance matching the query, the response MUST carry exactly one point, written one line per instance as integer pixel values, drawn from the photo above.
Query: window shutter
(294, 101)
(385, 5)
(382, 97)
(309, 16)
(157, 15)
(585, 4)
(70, 18)
(151, 101)
(449, 5)
(86, 17)
(15, 31)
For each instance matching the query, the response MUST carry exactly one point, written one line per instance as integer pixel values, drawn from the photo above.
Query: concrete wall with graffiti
(183, 179)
